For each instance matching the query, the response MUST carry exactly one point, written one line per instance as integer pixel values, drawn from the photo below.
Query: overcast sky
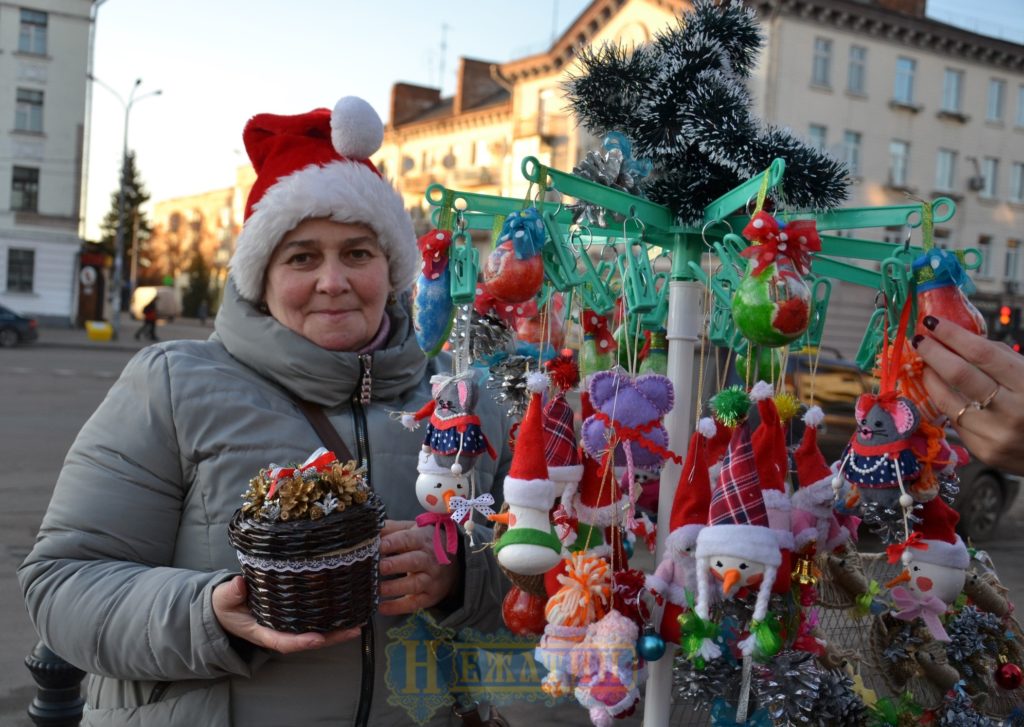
(218, 62)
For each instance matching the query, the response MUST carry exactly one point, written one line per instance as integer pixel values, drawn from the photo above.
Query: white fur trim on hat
(343, 191)
(566, 473)
(761, 390)
(814, 416)
(816, 499)
(537, 382)
(683, 537)
(775, 500)
(356, 129)
(536, 494)
(939, 552)
(752, 542)
(600, 516)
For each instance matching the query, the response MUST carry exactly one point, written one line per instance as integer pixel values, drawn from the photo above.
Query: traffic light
(1005, 313)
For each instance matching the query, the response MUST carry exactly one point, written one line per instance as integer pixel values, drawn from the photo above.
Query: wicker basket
(312, 575)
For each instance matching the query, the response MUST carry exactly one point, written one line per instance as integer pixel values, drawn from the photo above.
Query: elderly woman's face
(328, 281)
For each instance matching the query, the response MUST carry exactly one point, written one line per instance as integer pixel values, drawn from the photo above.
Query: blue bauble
(627, 547)
(651, 646)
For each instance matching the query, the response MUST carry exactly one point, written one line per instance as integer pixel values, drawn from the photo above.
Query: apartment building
(913, 105)
(44, 51)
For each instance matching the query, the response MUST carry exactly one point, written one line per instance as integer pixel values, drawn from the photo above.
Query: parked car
(985, 492)
(16, 328)
(168, 307)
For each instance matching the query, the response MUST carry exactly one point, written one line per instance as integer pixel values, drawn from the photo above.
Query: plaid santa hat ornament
(312, 165)
(530, 546)
(738, 546)
(561, 450)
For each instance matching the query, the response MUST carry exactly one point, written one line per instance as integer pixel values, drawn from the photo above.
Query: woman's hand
(235, 617)
(421, 581)
(979, 385)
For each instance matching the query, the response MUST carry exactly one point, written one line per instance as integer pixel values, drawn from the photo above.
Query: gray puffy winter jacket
(135, 538)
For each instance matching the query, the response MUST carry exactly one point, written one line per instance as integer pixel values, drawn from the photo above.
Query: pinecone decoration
(488, 336)
(838, 705)
(612, 169)
(957, 710)
(701, 686)
(508, 376)
(297, 496)
(255, 497)
(787, 687)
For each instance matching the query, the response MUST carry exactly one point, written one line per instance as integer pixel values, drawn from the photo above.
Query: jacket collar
(328, 378)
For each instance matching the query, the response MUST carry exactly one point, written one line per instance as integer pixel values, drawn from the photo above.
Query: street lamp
(119, 238)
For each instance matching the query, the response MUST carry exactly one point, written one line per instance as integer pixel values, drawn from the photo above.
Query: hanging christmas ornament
(514, 270)
(1008, 676)
(523, 612)
(436, 486)
(454, 435)
(615, 167)
(598, 344)
(607, 670)
(508, 377)
(489, 338)
(772, 305)
(654, 360)
(760, 363)
(942, 290)
(433, 310)
(651, 646)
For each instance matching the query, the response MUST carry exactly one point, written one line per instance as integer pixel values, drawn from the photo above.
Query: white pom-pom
(537, 382)
(706, 427)
(906, 556)
(814, 416)
(409, 422)
(906, 501)
(456, 469)
(761, 390)
(356, 129)
(837, 483)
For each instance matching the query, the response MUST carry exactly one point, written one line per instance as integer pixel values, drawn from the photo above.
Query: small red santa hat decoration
(772, 460)
(693, 492)
(738, 525)
(814, 520)
(599, 501)
(312, 165)
(938, 532)
(561, 450)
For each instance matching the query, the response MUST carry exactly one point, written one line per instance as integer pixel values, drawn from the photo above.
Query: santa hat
(772, 461)
(317, 165)
(718, 442)
(938, 532)
(815, 496)
(693, 492)
(528, 483)
(738, 524)
(598, 501)
(560, 447)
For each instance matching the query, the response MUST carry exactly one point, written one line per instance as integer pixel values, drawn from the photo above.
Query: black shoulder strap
(324, 429)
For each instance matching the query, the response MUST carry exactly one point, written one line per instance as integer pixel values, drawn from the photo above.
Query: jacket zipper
(361, 399)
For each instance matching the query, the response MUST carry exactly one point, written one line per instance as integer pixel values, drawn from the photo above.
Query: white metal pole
(685, 318)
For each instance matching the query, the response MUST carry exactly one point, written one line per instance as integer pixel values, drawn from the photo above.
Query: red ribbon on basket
(795, 241)
(441, 521)
(319, 461)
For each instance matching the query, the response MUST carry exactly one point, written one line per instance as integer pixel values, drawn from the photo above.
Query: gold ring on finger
(968, 405)
(989, 398)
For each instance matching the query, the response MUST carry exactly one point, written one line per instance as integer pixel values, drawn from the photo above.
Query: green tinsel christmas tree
(682, 103)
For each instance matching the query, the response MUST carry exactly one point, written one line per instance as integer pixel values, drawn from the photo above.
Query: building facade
(44, 46)
(913, 105)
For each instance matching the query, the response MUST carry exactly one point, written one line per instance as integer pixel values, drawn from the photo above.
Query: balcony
(475, 176)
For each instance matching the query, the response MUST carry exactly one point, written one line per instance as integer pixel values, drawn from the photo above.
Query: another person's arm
(979, 385)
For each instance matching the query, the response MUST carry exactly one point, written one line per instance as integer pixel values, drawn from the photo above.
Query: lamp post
(119, 237)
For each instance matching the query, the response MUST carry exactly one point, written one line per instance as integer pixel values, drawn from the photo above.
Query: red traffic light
(1004, 315)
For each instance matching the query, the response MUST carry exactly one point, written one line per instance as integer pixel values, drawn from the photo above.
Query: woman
(979, 385)
(132, 578)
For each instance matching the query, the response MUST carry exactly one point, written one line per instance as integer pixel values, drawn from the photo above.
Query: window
(945, 170)
(25, 189)
(855, 71)
(21, 265)
(816, 135)
(32, 35)
(903, 91)
(821, 69)
(28, 113)
(1017, 182)
(1012, 255)
(985, 248)
(851, 151)
(899, 161)
(996, 91)
(952, 86)
(990, 171)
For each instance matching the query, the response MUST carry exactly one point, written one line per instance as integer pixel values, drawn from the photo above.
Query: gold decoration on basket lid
(316, 488)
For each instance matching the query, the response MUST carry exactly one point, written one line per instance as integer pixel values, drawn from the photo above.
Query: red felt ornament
(523, 612)
(511, 279)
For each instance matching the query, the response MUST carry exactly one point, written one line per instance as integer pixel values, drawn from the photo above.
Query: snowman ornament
(436, 487)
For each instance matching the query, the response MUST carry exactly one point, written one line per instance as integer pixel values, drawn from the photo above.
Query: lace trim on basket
(327, 561)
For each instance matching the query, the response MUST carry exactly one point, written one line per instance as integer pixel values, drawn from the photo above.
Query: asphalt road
(47, 393)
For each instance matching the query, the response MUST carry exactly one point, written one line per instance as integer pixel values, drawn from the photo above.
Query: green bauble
(770, 309)
(592, 359)
(765, 364)
(656, 361)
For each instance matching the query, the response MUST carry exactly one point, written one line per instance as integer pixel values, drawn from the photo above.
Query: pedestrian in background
(203, 311)
(148, 327)
(132, 577)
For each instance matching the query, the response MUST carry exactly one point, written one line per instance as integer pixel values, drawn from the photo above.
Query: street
(47, 393)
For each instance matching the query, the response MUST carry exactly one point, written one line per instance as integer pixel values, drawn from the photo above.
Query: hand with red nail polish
(979, 385)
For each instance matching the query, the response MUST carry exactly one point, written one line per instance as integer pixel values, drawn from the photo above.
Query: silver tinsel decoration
(508, 376)
(611, 169)
(718, 678)
(838, 705)
(787, 687)
(488, 336)
(957, 710)
(887, 522)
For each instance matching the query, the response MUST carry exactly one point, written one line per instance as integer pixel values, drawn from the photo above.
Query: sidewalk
(67, 337)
